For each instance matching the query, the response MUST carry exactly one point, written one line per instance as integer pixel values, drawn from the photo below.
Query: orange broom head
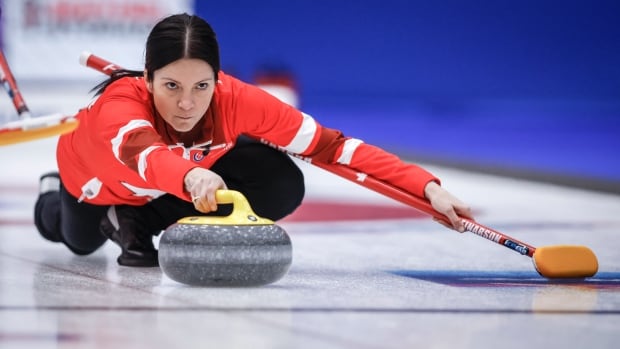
(24, 135)
(565, 261)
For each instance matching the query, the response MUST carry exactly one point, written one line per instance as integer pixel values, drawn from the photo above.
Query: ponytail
(117, 74)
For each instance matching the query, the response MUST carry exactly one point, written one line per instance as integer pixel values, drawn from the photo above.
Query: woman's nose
(186, 103)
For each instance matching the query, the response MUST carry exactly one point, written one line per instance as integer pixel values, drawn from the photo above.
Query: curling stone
(241, 249)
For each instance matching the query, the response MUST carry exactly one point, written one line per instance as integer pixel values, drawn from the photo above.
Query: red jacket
(124, 153)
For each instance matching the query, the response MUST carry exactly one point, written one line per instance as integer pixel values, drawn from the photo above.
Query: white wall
(44, 38)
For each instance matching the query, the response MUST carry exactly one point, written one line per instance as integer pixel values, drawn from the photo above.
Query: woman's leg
(128, 226)
(269, 179)
(83, 228)
(60, 218)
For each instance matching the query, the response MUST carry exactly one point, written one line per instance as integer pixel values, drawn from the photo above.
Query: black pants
(269, 179)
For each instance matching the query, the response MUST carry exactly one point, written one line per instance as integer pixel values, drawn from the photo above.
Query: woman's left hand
(448, 205)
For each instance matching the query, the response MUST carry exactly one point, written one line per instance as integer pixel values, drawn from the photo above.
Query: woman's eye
(202, 86)
(171, 85)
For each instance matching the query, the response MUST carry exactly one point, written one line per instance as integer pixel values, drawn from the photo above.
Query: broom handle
(8, 81)
(425, 206)
(97, 63)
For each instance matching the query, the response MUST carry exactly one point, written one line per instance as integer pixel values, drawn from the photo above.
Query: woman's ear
(149, 84)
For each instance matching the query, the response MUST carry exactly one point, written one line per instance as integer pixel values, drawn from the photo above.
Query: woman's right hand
(201, 184)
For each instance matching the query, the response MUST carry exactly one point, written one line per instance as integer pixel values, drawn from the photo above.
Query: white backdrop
(44, 38)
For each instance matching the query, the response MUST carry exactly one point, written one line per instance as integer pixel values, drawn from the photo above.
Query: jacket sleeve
(296, 132)
(128, 137)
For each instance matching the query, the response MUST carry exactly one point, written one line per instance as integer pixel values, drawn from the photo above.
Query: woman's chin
(183, 127)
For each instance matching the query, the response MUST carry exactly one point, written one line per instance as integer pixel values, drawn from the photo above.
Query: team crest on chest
(198, 156)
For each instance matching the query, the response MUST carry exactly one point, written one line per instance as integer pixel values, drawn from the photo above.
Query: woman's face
(182, 92)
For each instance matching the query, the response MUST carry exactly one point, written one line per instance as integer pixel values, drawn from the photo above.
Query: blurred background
(520, 88)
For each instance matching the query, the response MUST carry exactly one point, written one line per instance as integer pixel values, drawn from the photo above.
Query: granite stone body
(225, 255)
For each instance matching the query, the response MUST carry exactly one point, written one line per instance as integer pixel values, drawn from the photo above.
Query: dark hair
(174, 37)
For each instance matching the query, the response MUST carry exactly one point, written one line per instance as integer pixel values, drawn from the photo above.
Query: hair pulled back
(173, 38)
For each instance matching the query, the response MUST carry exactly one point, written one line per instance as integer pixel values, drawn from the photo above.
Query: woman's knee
(79, 224)
(282, 194)
(270, 180)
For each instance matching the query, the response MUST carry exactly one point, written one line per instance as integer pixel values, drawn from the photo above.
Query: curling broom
(28, 128)
(556, 261)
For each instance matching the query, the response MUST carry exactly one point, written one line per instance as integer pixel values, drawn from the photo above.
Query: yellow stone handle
(225, 196)
(242, 213)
